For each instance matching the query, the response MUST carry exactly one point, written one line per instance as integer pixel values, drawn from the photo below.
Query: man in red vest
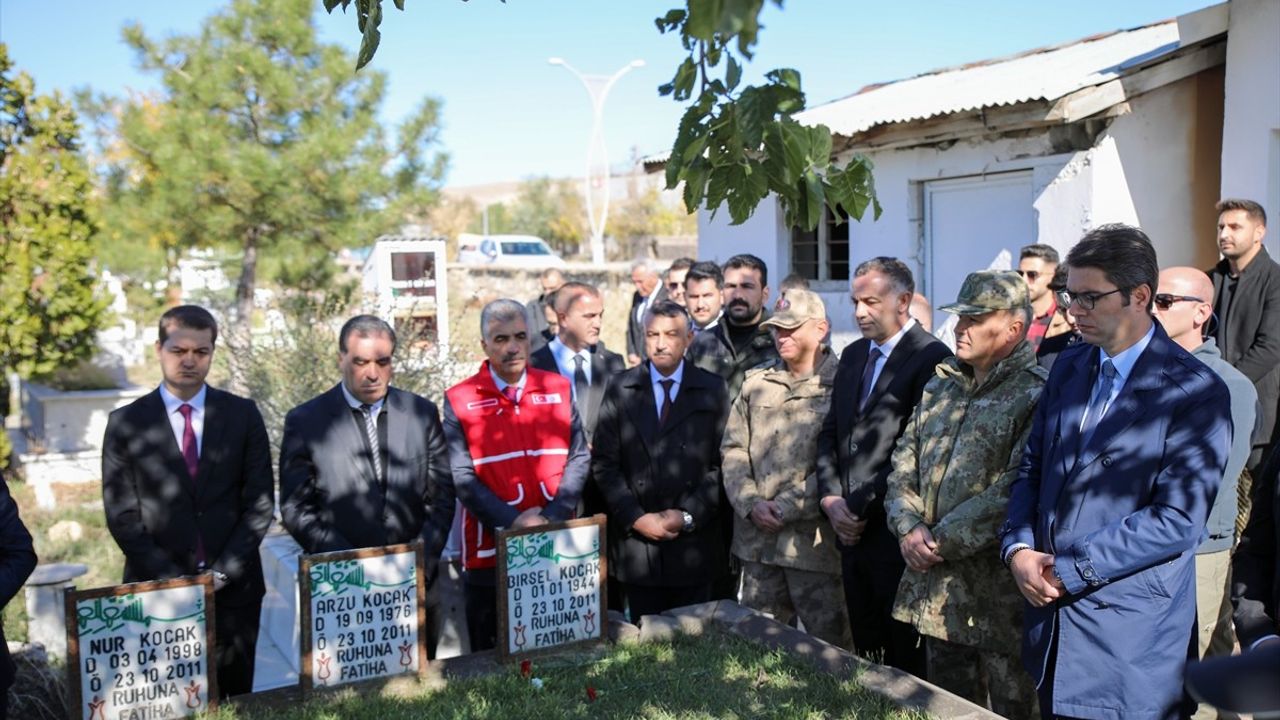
(517, 451)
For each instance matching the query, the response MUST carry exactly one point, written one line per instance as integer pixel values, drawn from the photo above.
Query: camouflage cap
(989, 290)
(795, 308)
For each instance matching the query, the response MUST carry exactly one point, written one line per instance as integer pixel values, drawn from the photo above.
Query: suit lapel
(211, 444)
(170, 450)
(599, 377)
(1074, 398)
(686, 401)
(1143, 380)
(641, 405)
(902, 352)
(349, 431)
(397, 434)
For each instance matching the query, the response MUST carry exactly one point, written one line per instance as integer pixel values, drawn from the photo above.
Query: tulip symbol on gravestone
(193, 695)
(96, 708)
(323, 662)
(406, 656)
(520, 635)
(589, 622)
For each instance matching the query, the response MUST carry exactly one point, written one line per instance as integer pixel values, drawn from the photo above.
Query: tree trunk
(240, 333)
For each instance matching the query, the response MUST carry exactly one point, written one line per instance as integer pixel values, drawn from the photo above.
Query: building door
(973, 223)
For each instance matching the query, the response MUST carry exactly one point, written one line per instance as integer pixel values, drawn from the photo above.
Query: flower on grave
(536, 683)
(591, 694)
(526, 668)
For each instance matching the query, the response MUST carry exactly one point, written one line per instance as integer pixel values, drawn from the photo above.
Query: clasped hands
(848, 526)
(1033, 571)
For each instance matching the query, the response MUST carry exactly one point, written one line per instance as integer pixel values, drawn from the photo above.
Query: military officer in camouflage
(948, 492)
(790, 562)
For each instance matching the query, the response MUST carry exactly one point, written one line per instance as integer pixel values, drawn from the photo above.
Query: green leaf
(820, 145)
(733, 74)
(685, 77)
(695, 182)
(813, 199)
(670, 21)
(785, 76)
(796, 147)
(400, 5)
(329, 5)
(704, 15)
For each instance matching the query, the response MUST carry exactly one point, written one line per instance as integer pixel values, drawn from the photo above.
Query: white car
(518, 250)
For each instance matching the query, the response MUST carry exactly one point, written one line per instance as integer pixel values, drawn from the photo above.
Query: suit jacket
(17, 560)
(641, 468)
(605, 364)
(855, 449)
(1255, 568)
(1122, 516)
(1249, 334)
(329, 497)
(154, 509)
(635, 326)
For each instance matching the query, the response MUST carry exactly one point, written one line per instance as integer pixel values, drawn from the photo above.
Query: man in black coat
(738, 342)
(657, 461)
(1255, 567)
(1246, 300)
(649, 290)
(17, 560)
(365, 464)
(186, 485)
(877, 386)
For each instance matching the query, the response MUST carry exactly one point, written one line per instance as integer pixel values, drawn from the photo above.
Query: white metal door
(973, 223)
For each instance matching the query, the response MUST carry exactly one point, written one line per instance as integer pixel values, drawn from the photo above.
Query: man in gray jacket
(1183, 305)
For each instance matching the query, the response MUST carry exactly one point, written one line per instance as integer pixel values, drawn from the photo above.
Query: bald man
(1184, 304)
(922, 311)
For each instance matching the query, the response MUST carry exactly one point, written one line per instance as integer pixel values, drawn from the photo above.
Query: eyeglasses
(1164, 301)
(673, 286)
(1086, 300)
(1031, 275)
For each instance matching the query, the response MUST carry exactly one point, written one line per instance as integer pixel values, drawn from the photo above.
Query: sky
(509, 115)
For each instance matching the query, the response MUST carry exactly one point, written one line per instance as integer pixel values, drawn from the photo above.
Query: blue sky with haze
(509, 115)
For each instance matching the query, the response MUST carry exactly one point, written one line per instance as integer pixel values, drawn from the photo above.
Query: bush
(84, 375)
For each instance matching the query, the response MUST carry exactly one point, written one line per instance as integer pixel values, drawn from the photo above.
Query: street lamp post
(598, 87)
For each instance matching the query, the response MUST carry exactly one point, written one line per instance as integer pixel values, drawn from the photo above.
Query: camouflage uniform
(952, 469)
(769, 449)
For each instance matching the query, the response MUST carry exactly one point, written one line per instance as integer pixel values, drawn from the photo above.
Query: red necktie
(512, 393)
(192, 459)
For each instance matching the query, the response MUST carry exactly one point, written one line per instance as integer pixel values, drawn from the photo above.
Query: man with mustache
(656, 458)
(364, 464)
(518, 454)
(738, 343)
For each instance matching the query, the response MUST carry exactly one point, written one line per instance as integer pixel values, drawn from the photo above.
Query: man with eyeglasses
(1128, 446)
(1183, 308)
(1246, 299)
(1036, 265)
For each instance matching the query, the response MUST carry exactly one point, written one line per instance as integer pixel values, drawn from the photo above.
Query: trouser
(235, 646)
(988, 678)
(872, 570)
(480, 591)
(654, 600)
(1213, 614)
(785, 593)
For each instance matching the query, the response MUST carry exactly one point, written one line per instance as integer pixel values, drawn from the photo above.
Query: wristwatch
(688, 521)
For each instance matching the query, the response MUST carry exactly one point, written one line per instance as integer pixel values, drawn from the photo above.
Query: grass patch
(712, 676)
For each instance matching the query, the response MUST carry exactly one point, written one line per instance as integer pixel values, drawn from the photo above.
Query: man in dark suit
(657, 461)
(186, 485)
(550, 280)
(577, 353)
(1255, 569)
(649, 290)
(872, 401)
(17, 560)
(1246, 299)
(365, 464)
(1127, 450)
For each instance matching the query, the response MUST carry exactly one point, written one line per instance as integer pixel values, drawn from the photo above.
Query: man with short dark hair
(518, 454)
(674, 278)
(1246, 299)
(364, 464)
(703, 285)
(738, 342)
(186, 486)
(877, 385)
(1129, 444)
(1037, 264)
(656, 458)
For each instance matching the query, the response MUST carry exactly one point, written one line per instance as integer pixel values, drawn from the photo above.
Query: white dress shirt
(887, 348)
(1123, 362)
(179, 423)
(564, 361)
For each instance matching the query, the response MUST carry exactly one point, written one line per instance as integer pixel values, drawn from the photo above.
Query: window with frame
(822, 253)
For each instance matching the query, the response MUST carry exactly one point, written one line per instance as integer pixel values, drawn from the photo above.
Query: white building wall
(1251, 123)
(1141, 170)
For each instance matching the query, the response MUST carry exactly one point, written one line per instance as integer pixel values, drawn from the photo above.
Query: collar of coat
(825, 365)
(1022, 359)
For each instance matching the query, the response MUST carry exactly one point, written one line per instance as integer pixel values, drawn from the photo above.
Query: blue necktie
(1098, 404)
